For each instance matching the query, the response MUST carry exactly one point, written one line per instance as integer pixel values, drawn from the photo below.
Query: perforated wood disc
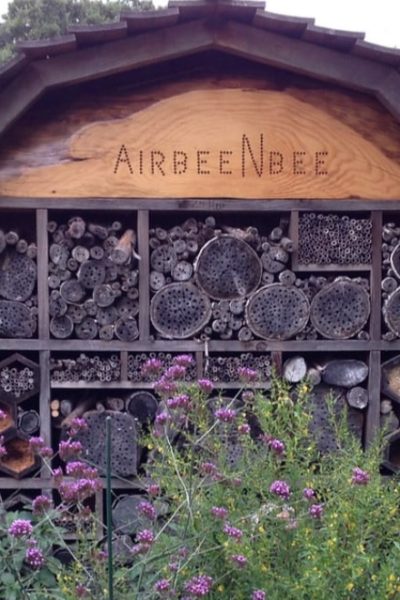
(179, 310)
(163, 259)
(91, 273)
(391, 312)
(15, 320)
(123, 442)
(277, 312)
(17, 277)
(228, 268)
(395, 261)
(340, 310)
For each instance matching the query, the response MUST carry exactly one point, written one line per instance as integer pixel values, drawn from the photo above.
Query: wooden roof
(236, 27)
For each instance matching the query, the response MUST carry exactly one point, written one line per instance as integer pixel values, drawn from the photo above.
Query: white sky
(379, 19)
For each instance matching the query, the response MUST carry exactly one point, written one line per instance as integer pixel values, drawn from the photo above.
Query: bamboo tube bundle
(136, 361)
(86, 368)
(91, 267)
(224, 368)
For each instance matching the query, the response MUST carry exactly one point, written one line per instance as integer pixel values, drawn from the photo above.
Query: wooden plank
(298, 151)
(199, 204)
(124, 366)
(44, 401)
(144, 270)
(374, 392)
(42, 273)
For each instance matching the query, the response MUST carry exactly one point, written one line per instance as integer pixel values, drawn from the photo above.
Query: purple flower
(308, 493)
(78, 468)
(248, 396)
(316, 511)
(220, 512)
(280, 488)
(244, 428)
(183, 360)
(162, 418)
(199, 586)
(20, 528)
(3, 449)
(147, 509)
(77, 491)
(58, 474)
(41, 504)
(176, 373)
(146, 536)
(226, 415)
(3, 415)
(45, 452)
(239, 560)
(77, 425)
(247, 375)
(233, 532)
(152, 366)
(205, 385)
(162, 585)
(153, 489)
(81, 591)
(69, 449)
(208, 468)
(36, 443)
(258, 595)
(360, 477)
(181, 401)
(276, 446)
(165, 387)
(34, 557)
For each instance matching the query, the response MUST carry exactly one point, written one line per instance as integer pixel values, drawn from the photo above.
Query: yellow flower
(350, 586)
(261, 529)
(220, 588)
(264, 568)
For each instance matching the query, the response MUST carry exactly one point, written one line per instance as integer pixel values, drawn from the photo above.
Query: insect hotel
(210, 179)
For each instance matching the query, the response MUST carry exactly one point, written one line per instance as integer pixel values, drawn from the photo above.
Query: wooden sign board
(217, 143)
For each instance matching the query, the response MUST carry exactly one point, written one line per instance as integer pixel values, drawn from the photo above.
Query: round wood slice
(87, 329)
(340, 309)
(103, 295)
(72, 291)
(127, 308)
(61, 327)
(163, 259)
(395, 261)
(17, 276)
(126, 517)
(107, 315)
(126, 330)
(277, 312)
(228, 268)
(180, 310)
(57, 305)
(182, 271)
(91, 273)
(391, 312)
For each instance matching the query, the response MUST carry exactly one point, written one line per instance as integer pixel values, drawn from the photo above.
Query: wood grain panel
(218, 143)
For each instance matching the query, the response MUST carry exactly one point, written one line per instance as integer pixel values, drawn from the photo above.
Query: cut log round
(340, 309)
(57, 305)
(395, 261)
(106, 332)
(182, 271)
(122, 252)
(80, 253)
(61, 327)
(87, 329)
(91, 273)
(72, 291)
(76, 227)
(123, 442)
(357, 397)
(97, 252)
(103, 295)
(17, 276)
(76, 312)
(294, 369)
(228, 268)
(163, 259)
(143, 406)
(180, 310)
(157, 280)
(277, 312)
(127, 308)
(126, 517)
(29, 422)
(346, 373)
(15, 320)
(107, 315)
(126, 330)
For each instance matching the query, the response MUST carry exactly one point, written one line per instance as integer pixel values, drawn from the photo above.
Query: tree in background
(36, 19)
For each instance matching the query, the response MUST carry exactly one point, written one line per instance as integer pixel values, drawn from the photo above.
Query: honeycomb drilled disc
(17, 277)
(15, 320)
(179, 310)
(340, 310)
(277, 312)
(228, 268)
(391, 312)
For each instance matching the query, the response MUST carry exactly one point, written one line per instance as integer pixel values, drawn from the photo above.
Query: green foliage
(37, 19)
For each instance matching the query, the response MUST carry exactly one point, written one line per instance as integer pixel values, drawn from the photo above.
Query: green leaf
(7, 578)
